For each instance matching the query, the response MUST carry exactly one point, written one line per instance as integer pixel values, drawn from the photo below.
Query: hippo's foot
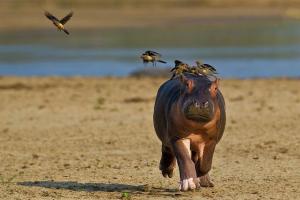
(167, 168)
(167, 164)
(189, 184)
(167, 172)
(205, 181)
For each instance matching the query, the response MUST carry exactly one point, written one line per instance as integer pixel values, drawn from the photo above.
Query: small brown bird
(179, 68)
(151, 56)
(59, 23)
(206, 69)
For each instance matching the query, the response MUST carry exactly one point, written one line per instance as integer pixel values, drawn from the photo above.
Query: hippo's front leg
(203, 164)
(188, 176)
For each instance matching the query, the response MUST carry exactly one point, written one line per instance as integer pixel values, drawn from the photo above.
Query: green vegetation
(126, 196)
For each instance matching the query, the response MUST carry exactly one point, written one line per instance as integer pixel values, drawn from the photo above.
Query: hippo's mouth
(198, 117)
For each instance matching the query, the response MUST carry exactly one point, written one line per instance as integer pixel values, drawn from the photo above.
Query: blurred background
(241, 38)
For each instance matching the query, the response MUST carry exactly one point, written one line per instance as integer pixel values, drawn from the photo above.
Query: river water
(237, 48)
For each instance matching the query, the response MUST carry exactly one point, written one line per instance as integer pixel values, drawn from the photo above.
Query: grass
(126, 196)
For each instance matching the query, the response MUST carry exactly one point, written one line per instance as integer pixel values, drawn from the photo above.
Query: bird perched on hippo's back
(205, 69)
(151, 56)
(179, 68)
(59, 23)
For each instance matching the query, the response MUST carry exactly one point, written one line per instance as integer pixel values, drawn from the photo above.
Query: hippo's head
(198, 97)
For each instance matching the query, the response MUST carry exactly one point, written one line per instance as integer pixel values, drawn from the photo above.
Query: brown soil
(92, 138)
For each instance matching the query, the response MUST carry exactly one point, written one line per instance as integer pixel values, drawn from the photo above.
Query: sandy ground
(92, 138)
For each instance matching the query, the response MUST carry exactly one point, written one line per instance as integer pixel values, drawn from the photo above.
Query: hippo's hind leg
(167, 162)
(188, 176)
(204, 162)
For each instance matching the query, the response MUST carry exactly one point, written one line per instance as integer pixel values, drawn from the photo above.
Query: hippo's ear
(214, 87)
(189, 83)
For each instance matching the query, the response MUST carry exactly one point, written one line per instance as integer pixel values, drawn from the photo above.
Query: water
(238, 49)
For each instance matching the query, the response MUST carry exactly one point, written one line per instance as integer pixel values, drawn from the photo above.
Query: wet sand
(92, 138)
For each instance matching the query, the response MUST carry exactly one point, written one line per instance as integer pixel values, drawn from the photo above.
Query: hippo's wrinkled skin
(189, 119)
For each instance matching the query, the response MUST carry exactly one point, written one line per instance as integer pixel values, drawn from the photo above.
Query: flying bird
(151, 56)
(59, 23)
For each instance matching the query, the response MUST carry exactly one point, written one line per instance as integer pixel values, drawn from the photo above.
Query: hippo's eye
(213, 89)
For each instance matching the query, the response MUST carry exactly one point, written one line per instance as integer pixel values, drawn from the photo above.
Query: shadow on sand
(104, 187)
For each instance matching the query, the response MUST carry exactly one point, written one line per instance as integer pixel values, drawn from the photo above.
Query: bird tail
(67, 32)
(162, 61)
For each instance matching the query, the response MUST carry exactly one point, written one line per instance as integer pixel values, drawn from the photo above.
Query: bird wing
(66, 18)
(210, 67)
(50, 16)
(152, 53)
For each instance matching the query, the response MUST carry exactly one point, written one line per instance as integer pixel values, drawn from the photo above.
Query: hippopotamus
(189, 119)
